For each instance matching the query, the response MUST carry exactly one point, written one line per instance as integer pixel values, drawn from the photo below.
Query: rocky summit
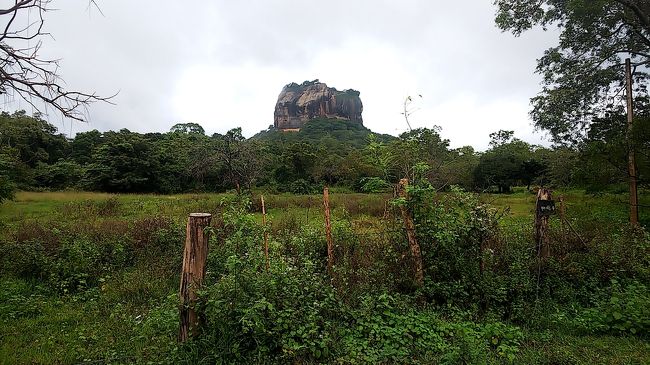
(299, 103)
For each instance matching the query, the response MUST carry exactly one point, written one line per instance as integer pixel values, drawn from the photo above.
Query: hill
(350, 133)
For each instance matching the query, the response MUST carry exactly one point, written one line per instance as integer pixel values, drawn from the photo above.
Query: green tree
(604, 155)
(241, 160)
(460, 168)
(125, 162)
(62, 174)
(83, 145)
(188, 128)
(583, 75)
(379, 156)
(29, 141)
(509, 162)
(421, 152)
(7, 164)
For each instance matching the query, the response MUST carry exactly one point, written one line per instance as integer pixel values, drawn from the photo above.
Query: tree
(501, 137)
(242, 160)
(460, 169)
(421, 149)
(29, 141)
(508, 162)
(379, 156)
(584, 75)
(604, 152)
(187, 128)
(125, 162)
(24, 73)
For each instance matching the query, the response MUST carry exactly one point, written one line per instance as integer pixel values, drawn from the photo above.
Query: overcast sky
(222, 64)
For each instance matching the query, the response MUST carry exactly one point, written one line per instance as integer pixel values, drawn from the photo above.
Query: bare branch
(25, 74)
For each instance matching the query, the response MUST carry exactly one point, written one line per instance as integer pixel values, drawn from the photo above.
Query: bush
(374, 185)
(624, 310)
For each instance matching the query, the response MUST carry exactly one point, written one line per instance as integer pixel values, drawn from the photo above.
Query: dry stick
(266, 235)
(328, 231)
(410, 232)
(575, 232)
(563, 220)
(195, 255)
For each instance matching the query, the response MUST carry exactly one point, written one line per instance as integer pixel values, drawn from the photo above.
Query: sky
(222, 64)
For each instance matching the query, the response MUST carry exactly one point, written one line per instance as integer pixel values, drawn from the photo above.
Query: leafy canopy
(583, 76)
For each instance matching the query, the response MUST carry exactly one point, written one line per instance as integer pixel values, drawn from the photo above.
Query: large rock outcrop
(298, 104)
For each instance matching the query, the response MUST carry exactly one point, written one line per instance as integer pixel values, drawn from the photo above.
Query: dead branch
(25, 74)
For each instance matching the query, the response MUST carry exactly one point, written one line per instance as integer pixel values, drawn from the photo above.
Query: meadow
(93, 278)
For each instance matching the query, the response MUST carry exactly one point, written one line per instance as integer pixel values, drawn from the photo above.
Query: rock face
(298, 104)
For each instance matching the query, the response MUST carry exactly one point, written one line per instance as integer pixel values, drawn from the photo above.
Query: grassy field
(93, 277)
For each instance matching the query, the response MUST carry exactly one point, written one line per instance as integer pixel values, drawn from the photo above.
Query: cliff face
(297, 104)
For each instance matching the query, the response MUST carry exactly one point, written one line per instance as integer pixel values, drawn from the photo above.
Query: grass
(565, 348)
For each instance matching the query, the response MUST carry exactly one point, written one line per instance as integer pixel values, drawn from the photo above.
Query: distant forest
(35, 156)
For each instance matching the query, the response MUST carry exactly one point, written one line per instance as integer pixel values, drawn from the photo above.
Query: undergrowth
(95, 283)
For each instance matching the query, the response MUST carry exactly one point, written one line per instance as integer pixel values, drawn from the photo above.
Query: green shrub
(374, 185)
(624, 310)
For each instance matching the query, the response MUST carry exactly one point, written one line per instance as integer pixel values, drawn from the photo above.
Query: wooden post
(266, 235)
(541, 224)
(416, 253)
(328, 230)
(195, 255)
(631, 158)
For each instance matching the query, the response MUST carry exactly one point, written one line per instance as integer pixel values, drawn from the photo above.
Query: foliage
(624, 310)
(325, 152)
(582, 75)
(374, 185)
(604, 152)
(6, 189)
(508, 162)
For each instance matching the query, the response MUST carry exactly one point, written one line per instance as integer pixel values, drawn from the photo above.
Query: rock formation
(298, 104)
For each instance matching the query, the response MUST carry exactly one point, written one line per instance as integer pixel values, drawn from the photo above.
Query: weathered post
(328, 230)
(266, 235)
(195, 255)
(416, 253)
(544, 207)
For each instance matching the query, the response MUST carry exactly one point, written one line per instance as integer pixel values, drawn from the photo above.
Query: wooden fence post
(416, 253)
(266, 235)
(195, 255)
(328, 230)
(541, 224)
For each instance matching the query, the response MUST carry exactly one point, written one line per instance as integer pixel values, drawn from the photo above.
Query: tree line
(35, 156)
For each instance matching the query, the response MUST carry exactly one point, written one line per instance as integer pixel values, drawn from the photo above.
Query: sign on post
(545, 208)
